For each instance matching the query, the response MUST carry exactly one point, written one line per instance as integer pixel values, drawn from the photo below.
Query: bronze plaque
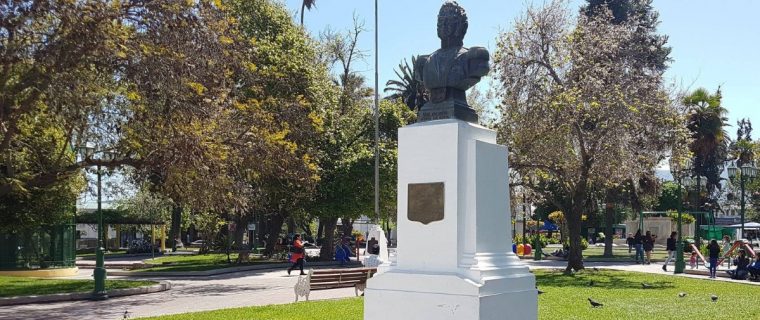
(425, 202)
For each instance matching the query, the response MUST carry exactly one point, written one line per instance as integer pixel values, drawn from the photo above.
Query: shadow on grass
(601, 279)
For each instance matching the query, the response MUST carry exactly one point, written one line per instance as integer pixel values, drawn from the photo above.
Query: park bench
(333, 278)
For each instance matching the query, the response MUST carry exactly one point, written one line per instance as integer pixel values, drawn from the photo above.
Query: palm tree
(707, 122)
(407, 88)
(307, 5)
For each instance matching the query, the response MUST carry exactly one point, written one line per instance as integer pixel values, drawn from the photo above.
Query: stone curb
(59, 297)
(220, 271)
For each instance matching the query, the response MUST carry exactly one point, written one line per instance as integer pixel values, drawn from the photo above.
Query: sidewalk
(187, 295)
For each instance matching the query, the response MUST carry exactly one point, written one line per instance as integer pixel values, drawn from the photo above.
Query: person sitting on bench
(741, 262)
(754, 269)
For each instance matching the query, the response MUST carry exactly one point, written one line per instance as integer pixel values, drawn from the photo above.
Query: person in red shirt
(297, 254)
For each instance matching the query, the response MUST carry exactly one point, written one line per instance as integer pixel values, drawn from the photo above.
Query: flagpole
(377, 129)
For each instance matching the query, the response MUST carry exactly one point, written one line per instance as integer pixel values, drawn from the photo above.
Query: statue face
(448, 27)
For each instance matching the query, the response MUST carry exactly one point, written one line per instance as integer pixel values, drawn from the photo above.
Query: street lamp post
(747, 171)
(678, 173)
(524, 222)
(99, 273)
(697, 182)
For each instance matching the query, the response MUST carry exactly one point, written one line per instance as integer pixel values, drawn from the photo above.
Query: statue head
(452, 24)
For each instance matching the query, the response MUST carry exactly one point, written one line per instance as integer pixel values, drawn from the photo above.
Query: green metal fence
(41, 248)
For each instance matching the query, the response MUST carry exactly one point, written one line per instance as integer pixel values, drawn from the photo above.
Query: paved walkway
(187, 295)
(251, 288)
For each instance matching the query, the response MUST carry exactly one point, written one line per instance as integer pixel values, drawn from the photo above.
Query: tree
(579, 109)
(407, 87)
(56, 64)
(669, 199)
(710, 141)
(743, 148)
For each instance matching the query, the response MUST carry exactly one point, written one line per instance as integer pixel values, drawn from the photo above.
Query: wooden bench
(333, 278)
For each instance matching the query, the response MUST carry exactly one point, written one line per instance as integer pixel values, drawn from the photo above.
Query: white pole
(377, 129)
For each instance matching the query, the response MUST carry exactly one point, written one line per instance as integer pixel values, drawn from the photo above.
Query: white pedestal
(460, 267)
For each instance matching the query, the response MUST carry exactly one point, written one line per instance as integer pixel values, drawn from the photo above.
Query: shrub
(532, 240)
(584, 244)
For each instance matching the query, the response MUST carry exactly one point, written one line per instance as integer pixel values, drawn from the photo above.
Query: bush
(584, 244)
(554, 240)
(532, 240)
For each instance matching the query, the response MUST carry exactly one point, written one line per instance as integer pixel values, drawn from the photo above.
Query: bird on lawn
(681, 294)
(596, 269)
(594, 304)
(646, 286)
(591, 283)
(714, 298)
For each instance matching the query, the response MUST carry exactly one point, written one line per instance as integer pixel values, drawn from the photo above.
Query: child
(693, 260)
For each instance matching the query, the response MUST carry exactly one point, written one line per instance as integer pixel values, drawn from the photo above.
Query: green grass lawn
(20, 286)
(565, 298)
(198, 262)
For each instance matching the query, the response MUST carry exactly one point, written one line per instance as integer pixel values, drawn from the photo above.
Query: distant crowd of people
(744, 267)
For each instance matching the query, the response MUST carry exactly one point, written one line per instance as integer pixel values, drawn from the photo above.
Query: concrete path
(187, 295)
(252, 288)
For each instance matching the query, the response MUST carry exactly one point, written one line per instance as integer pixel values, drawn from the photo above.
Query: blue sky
(714, 42)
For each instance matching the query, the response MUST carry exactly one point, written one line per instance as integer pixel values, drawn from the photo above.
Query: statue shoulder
(419, 65)
(478, 53)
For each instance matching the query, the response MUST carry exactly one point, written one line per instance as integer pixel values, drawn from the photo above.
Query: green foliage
(707, 123)
(669, 199)
(685, 217)
(584, 244)
(407, 88)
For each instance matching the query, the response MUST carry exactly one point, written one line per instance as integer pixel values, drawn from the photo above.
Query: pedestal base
(399, 295)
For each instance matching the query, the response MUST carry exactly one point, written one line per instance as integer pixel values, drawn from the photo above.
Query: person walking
(671, 247)
(726, 248)
(714, 250)
(630, 242)
(649, 245)
(297, 254)
(638, 242)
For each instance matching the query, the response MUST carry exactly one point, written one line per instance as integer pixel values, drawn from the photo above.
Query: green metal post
(537, 242)
(680, 263)
(697, 239)
(524, 222)
(100, 271)
(743, 204)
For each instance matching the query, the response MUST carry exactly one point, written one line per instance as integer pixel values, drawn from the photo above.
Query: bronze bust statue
(449, 71)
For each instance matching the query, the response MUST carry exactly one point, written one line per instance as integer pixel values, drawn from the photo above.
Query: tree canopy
(579, 108)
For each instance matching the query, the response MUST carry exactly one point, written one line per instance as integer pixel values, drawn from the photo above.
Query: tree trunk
(608, 229)
(240, 230)
(609, 217)
(328, 244)
(274, 226)
(575, 254)
(303, 7)
(306, 226)
(320, 230)
(175, 227)
(347, 227)
(291, 225)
